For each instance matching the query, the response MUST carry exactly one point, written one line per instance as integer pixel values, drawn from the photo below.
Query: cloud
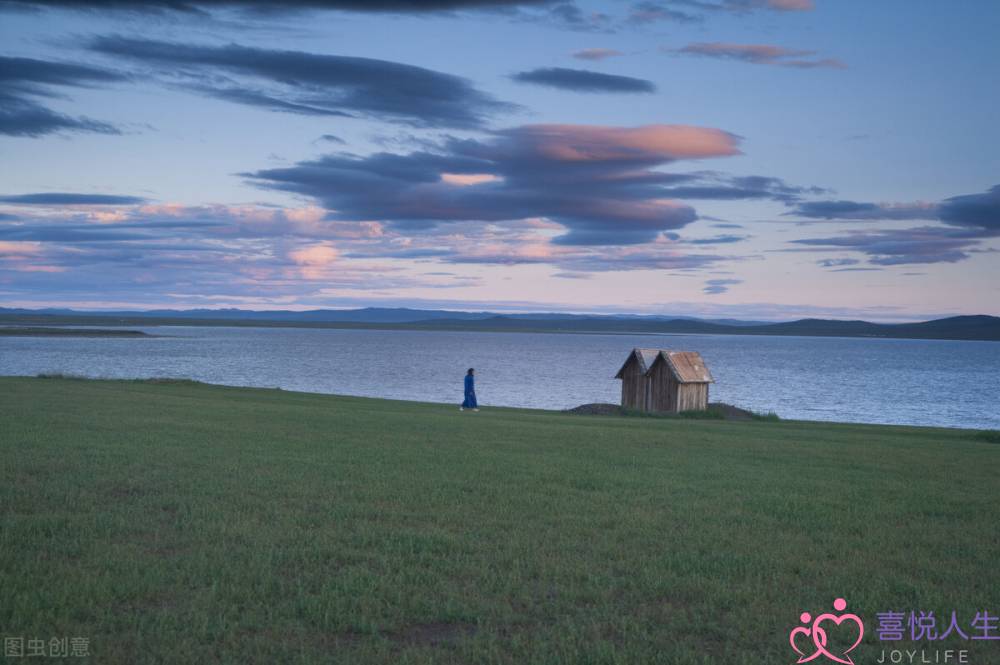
(313, 84)
(262, 14)
(21, 117)
(281, 6)
(966, 219)
(66, 198)
(787, 5)
(596, 182)
(28, 74)
(237, 255)
(596, 54)
(569, 16)
(465, 179)
(716, 240)
(9, 248)
(926, 244)
(759, 54)
(744, 6)
(716, 286)
(582, 80)
(566, 14)
(24, 80)
(315, 260)
(715, 186)
(973, 210)
(853, 210)
(652, 12)
(690, 11)
(659, 255)
(330, 138)
(837, 263)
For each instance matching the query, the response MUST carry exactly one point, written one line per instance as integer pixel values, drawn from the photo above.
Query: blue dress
(470, 393)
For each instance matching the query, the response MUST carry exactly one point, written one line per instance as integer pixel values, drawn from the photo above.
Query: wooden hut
(678, 381)
(635, 385)
(664, 381)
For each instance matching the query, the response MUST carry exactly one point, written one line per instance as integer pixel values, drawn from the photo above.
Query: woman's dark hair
(470, 370)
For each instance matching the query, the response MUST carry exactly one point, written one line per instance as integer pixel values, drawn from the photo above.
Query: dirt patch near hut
(731, 412)
(597, 409)
(724, 411)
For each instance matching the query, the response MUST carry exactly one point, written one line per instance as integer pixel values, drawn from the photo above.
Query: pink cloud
(34, 267)
(24, 256)
(314, 260)
(791, 5)
(506, 252)
(759, 54)
(654, 143)
(596, 53)
(12, 248)
(466, 179)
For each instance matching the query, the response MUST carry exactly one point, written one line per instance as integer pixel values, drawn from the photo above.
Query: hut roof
(687, 366)
(646, 358)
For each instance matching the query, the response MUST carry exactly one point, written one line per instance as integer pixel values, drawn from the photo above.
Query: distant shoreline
(955, 329)
(43, 331)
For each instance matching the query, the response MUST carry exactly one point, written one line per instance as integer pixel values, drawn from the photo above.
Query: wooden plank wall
(663, 389)
(633, 387)
(669, 395)
(692, 397)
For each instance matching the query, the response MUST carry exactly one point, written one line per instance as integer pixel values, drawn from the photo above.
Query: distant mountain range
(364, 315)
(979, 327)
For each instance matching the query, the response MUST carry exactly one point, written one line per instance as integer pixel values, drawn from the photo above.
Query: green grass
(177, 522)
(990, 435)
(708, 414)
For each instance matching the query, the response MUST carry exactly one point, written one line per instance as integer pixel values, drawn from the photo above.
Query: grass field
(174, 522)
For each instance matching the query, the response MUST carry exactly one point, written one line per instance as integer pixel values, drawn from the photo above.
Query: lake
(916, 382)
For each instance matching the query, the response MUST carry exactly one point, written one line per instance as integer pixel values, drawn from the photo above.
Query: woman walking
(470, 391)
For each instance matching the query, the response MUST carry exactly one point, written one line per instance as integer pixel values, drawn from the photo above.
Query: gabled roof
(687, 366)
(646, 358)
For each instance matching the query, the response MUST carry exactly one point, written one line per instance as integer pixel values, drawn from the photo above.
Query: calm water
(953, 384)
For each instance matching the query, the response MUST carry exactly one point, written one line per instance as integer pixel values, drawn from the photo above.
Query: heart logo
(806, 639)
(820, 631)
(842, 627)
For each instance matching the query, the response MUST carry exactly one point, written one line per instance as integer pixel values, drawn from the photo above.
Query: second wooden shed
(678, 381)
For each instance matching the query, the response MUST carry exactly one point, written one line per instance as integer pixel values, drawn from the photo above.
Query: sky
(764, 159)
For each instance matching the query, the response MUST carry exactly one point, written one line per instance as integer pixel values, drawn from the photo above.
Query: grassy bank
(175, 522)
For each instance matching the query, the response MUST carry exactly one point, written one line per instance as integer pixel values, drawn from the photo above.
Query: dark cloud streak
(69, 198)
(314, 84)
(24, 80)
(693, 11)
(968, 219)
(281, 6)
(582, 80)
(717, 286)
